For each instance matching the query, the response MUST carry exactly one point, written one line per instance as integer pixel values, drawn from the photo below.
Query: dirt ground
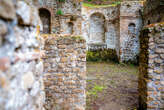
(111, 86)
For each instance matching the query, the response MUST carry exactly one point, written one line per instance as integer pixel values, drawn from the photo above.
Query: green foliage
(102, 55)
(59, 12)
(97, 6)
(101, 3)
(61, 0)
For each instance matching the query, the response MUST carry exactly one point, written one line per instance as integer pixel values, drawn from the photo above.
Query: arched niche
(97, 28)
(132, 28)
(45, 17)
(69, 28)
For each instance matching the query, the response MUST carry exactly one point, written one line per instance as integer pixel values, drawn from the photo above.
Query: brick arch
(45, 16)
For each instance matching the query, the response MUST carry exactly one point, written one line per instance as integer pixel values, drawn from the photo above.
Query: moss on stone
(71, 38)
(102, 55)
(100, 6)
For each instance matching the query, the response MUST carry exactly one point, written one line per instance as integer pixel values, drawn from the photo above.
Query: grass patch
(93, 92)
(101, 6)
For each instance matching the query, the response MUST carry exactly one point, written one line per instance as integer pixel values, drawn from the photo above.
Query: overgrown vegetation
(102, 2)
(102, 55)
(99, 6)
(95, 90)
(61, 0)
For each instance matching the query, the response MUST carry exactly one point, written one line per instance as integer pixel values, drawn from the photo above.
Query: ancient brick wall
(62, 13)
(100, 26)
(21, 84)
(71, 10)
(65, 72)
(151, 77)
(52, 7)
(130, 26)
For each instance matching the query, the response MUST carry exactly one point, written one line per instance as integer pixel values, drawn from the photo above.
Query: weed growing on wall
(59, 12)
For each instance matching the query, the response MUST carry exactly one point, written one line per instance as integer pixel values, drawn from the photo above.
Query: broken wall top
(131, 8)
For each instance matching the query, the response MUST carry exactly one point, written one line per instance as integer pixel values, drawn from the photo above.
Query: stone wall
(65, 72)
(70, 24)
(21, 85)
(153, 11)
(151, 77)
(102, 29)
(71, 15)
(62, 13)
(130, 26)
(52, 7)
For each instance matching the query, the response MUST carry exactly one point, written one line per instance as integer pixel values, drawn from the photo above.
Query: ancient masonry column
(65, 72)
(151, 77)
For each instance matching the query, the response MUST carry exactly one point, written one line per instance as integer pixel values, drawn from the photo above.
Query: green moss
(71, 38)
(61, 0)
(77, 38)
(102, 55)
(101, 6)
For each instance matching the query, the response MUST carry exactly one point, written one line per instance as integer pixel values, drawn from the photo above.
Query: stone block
(28, 80)
(7, 9)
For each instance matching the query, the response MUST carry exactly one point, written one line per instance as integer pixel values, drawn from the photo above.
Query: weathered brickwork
(65, 72)
(130, 26)
(21, 84)
(114, 27)
(61, 14)
(100, 27)
(151, 78)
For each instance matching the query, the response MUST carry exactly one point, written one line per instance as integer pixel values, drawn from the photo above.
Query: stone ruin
(151, 77)
(43, 46)
(114, 27)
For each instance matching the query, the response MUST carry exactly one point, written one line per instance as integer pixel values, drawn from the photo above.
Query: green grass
(100, 6)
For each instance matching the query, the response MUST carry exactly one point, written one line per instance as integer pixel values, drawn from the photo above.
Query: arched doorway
(97, 28)
(45, 17)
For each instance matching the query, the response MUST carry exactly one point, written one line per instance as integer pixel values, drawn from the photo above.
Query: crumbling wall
(52, 7)
(129, 38)
(110, 26)
(21, 85)
(97, 28)
(65, 72)
(153, 11)
(62, 13)
(72, 7)
(70, 24)
(151, 77)
(71, 14)
(45, 17)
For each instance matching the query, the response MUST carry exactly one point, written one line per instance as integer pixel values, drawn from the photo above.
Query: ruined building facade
(113, 26)
(46, 70)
